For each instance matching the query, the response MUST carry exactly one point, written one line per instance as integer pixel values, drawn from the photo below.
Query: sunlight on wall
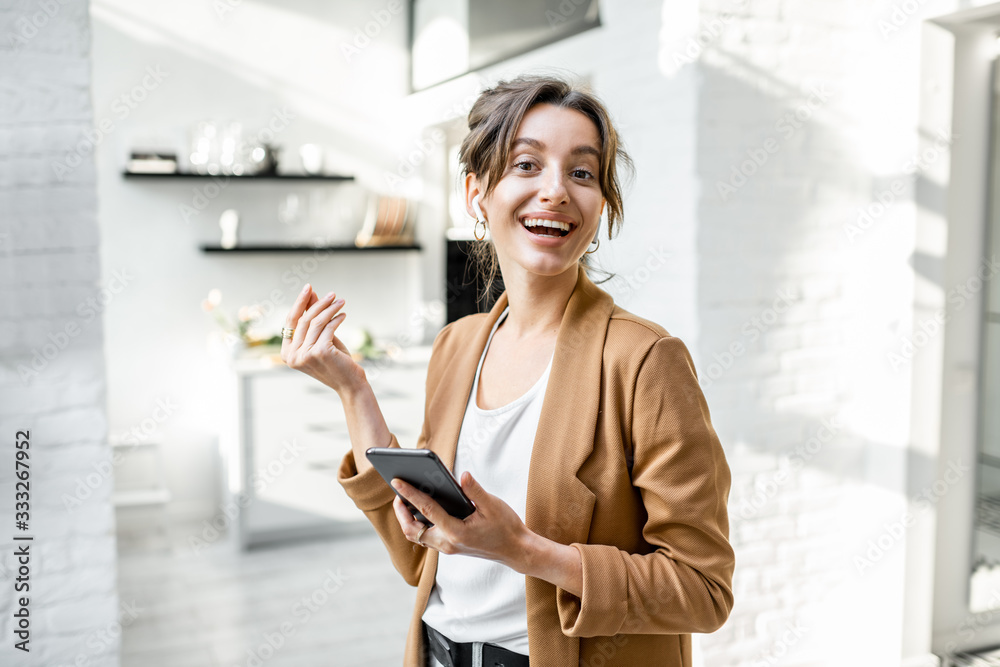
(679, 44)
(866, 145)
(440, 51)
(310, 76)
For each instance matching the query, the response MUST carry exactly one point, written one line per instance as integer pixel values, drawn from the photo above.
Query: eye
(582, 173)
(523, 165)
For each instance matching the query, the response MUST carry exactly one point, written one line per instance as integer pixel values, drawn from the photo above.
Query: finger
(472, 488)
(424, 503)
(407, 521)
(319, 322)
(302, 325)
(301, 303)
(316, 304)
(411, 527)
(326, 336)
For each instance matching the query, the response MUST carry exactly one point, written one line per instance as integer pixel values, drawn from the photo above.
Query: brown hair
(493, 122)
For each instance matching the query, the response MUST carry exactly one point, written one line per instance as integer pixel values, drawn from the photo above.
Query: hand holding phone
(424, 470)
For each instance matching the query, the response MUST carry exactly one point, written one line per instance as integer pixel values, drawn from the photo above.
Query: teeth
(538, 222)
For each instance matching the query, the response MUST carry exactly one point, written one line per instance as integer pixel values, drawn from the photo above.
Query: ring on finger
(287, 332)
(421, 534)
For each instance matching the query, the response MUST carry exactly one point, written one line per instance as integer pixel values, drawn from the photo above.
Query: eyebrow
(585, 149)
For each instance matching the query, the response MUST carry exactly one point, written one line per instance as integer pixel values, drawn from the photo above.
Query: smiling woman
(549, 189)
(577, 429)
(502, 139)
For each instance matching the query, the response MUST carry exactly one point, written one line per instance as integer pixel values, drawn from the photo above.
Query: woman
(578, 429)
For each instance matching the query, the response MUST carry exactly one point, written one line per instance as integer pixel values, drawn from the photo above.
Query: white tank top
(475, 599)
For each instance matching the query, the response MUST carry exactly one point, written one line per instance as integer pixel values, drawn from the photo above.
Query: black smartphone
(423, 469)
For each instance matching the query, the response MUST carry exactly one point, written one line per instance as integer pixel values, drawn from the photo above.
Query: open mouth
(542, 227)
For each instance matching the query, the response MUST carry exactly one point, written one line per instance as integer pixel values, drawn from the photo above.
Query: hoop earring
(595, 247)
(475, 230)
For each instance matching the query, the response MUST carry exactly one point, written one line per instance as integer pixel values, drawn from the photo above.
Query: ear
(472, 188)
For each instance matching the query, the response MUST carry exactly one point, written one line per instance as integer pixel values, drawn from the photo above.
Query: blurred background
(814, 214)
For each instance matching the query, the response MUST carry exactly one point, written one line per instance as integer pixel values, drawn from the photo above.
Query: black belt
(453, 654)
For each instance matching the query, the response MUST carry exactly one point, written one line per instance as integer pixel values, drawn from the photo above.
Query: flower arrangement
(246, 317)
(239, 332)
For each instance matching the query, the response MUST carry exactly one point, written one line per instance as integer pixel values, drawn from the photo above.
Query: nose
(553, 189)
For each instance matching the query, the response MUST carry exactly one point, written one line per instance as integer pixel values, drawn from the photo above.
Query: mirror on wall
(449, 38)
(985, 585)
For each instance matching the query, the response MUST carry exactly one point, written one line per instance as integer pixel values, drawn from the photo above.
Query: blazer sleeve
(374, 497)
(685, 584)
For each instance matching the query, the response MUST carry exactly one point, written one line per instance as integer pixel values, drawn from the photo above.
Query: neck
(536, 302)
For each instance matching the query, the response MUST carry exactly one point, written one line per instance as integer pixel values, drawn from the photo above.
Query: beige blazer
(657, 563)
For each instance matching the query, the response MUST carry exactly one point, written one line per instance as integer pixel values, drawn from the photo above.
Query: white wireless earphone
(479, 212)
(599, 221)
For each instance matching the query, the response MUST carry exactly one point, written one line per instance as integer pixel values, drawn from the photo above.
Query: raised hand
(314, 349)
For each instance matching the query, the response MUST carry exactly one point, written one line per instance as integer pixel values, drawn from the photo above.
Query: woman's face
(552, 176)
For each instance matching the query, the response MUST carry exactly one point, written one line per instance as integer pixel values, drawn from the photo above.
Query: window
(449, 38)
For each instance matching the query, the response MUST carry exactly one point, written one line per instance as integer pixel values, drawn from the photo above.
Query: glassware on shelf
(230, 150)
(205, 148)
(221, 149)
(263, 159)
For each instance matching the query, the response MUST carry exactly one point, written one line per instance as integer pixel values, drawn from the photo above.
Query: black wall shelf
(244, 177)
(270, 247)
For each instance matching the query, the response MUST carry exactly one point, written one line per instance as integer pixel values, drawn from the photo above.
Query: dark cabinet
(464, 289)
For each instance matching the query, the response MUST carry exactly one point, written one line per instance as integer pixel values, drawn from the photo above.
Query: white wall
(299, 66)
(52, 377)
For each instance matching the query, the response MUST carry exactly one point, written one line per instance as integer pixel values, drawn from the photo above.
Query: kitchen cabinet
(290, 436)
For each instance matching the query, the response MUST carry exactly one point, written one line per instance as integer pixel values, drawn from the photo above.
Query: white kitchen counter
(287, 436)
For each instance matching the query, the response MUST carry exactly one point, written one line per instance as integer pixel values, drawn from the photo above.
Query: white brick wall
(783, 229)
(52, 372)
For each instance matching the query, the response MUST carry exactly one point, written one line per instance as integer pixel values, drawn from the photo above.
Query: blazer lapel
(559, 505)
